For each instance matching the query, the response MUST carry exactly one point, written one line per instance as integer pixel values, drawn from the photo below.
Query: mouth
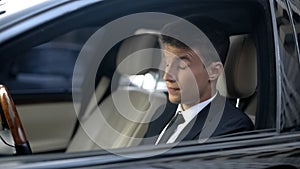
(173, 90)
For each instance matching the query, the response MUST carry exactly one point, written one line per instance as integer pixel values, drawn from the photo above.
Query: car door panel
(49, 126)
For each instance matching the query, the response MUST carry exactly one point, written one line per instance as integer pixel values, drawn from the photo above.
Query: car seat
(241, 74)
(125, 112)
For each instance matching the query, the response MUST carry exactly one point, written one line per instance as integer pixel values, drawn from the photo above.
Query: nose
(168, 77)
(169, 74)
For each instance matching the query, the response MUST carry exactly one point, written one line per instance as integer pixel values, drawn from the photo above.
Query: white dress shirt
(188, 115)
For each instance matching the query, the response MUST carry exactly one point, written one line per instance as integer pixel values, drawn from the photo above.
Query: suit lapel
(157, 125)
(210, 116)
(194, 127)
(193, 130)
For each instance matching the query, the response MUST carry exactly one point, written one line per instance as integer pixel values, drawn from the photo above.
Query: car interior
(240, 67)
(120, 85)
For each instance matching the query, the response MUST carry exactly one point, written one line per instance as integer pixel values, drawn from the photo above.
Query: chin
(174, 100)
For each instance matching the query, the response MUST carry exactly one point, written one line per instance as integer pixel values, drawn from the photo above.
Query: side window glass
(288, 24)
(48, 67)
(151, 81)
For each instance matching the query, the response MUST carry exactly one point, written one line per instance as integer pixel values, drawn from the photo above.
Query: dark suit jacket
(217, 118)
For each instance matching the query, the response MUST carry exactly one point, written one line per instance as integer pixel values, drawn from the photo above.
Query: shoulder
(233, 120)
(233, 112)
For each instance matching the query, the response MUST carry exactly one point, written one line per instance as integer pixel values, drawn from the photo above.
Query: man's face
(186, 77)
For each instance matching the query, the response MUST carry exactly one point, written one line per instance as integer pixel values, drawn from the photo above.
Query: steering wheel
(13, 121)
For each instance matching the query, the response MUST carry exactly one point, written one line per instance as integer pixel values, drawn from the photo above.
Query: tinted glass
(288, 31)
(48, 67)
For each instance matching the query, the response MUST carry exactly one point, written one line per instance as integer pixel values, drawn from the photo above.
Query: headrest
(135, 55)
(241, 67)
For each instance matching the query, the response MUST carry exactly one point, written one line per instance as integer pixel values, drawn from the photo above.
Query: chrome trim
(278, 75)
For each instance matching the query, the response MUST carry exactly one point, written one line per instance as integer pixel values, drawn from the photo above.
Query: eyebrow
(187, 57)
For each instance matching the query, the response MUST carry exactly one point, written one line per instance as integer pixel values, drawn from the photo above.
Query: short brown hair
(213, 30)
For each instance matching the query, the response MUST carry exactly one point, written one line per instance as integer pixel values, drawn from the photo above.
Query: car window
(129, 91)
(288, 25)
(48, 67)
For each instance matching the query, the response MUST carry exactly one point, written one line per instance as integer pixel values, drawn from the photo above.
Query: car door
(39, 73)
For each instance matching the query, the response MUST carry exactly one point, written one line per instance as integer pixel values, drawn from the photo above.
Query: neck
(203, 98)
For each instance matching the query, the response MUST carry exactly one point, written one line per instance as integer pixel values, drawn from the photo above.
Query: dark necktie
(173, 124)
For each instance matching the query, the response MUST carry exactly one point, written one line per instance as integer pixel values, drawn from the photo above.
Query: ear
(215, 69)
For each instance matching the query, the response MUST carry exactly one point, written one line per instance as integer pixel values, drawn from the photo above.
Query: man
(197, 110)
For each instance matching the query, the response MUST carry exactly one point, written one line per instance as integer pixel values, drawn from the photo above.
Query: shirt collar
(190, 113)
